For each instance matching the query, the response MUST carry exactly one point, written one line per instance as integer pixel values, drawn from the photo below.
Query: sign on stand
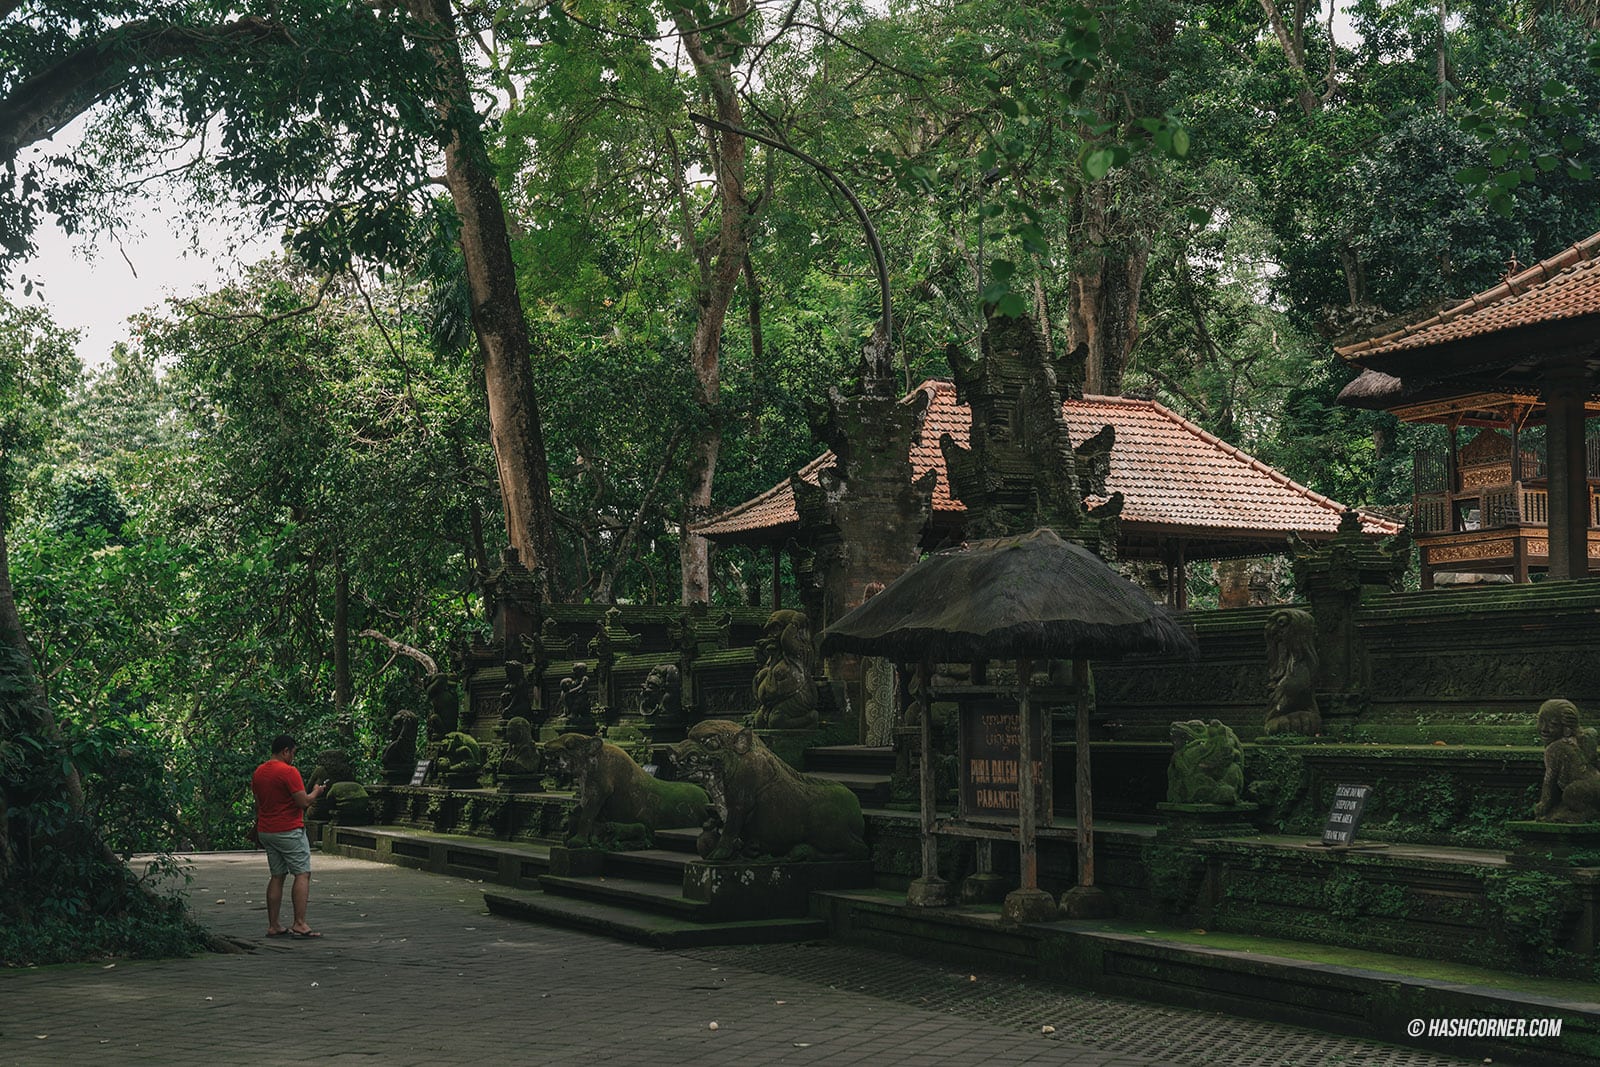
(420, 775)
(990, 756)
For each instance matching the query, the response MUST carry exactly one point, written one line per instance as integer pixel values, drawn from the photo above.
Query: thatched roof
(1033, 596)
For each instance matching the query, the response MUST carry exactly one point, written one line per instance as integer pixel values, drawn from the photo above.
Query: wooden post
(1181, 578)
(1028, 903)
(1027, 783)
(777, 576)
(929, 890)
(1086, 901)
(1565, 389)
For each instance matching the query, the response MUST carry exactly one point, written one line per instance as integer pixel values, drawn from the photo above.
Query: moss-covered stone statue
(521, 764)
(460, 760)
(617, 800)
(333, 765)
(574, 705)
(399, 757)
(1571, 789)
(347, 804)
(785, 692)
(1207, 764)
(661, 695)
(1292, 672)
(766, 808)
(444, 702)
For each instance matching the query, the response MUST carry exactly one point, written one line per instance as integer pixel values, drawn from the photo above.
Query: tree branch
(401, 649)
(42, 104)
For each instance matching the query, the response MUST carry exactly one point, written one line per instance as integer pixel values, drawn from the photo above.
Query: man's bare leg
(301, 893)
(275, 903)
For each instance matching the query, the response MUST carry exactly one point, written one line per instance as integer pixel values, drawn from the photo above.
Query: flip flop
(277, 933)
(308, 933)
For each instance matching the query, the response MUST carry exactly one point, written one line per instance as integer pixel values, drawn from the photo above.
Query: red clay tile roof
(1564, 286)
(1171, 473)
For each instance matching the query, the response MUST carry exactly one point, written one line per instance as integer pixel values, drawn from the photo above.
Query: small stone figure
(445, 717)
(1207, 764)
(574, 703)
(333, 765)
(518, 770)
(1571, 790)
(661, 695)
(1292, 669)
(347, 804)
(460, 759)
(400, 754)
(785, 692)
(515, 699)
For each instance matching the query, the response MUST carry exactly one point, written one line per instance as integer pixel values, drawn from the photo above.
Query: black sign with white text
(1349, 801)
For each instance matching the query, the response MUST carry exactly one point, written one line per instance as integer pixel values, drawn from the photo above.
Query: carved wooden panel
(1499, 548)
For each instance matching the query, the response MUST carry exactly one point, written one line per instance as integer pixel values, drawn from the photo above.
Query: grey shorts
(288, 852)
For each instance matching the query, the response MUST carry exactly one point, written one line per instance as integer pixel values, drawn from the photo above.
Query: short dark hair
(282, 743)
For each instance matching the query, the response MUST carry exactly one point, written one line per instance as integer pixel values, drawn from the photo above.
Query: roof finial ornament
(1513, 268)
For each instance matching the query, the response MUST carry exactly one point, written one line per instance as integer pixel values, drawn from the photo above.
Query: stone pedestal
(1087, 902)
(1029, 906)
(1554, 845)
(984, 888)
(1207, 820)
(929, 893)
(520, 783)
(766, 890)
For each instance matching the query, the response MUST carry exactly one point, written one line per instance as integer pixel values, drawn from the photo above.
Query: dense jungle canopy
(523, 298)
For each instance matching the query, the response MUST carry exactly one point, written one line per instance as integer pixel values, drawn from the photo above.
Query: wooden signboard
(1349, 801)
(420, 775)
(990, 749)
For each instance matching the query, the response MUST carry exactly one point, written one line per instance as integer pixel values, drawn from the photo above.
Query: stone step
(658, 931)
(635, 894)
(649, 864)
(680, 840)
(860, 759)
(871, 789)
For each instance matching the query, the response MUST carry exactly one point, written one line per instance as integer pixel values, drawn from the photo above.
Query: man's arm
(304, 799)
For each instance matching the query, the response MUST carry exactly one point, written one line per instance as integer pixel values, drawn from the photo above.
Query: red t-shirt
(275, 783)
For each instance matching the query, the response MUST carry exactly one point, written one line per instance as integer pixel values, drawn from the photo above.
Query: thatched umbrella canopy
(1030, 597)
(1035, 596)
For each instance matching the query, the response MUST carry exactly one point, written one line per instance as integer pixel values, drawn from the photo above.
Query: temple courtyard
(413, 970)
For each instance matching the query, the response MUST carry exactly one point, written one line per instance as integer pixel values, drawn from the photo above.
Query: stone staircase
(641, 896)
(865, 770)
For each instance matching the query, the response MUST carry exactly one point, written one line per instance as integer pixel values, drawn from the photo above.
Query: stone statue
(574, 703)
(661, 695)
(460, 759)
(767, 808)
(399, 757)
(333, 765)
(1207, 764)
(515, 699)
(785, 692)
(1571, 790)
(1292, 670)
(520, 764)
(346, 804)
(446, 704)
(615, 795)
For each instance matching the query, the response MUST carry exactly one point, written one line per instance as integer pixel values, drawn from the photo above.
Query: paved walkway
(414, 971)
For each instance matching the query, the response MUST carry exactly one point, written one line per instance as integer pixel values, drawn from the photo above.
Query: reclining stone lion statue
(1207, 764)
(766, 808)
(615, 795)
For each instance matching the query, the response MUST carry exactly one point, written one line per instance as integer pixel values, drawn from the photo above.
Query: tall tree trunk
(497, 316)
(342, 687)
(720, 262)
(1107, 276)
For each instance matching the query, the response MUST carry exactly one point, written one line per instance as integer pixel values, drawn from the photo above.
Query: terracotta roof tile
(1564, 286)
(1171, 473)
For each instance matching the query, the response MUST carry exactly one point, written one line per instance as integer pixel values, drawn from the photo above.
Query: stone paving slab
(414, 971)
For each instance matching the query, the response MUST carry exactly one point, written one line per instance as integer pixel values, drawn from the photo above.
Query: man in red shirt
(281, 801)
